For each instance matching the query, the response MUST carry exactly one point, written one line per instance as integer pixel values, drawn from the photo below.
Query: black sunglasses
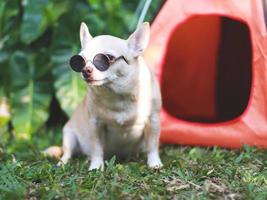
(101, 61)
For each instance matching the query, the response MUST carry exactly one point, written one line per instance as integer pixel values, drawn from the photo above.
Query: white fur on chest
(123, 140)
(124, 130)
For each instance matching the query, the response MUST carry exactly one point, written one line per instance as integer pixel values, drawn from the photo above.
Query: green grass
(188, 173)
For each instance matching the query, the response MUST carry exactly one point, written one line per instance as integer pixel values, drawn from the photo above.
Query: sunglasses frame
(110, 61)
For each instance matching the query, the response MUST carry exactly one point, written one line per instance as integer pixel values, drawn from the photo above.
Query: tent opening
(207, 69)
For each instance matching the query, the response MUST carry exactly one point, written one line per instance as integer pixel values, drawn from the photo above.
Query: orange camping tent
(211, 61)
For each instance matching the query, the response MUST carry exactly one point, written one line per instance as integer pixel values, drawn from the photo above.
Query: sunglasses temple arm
(122, 57)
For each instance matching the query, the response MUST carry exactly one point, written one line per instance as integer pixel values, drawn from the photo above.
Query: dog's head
(106, 59)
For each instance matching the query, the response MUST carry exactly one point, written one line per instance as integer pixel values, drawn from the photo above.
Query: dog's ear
(85, 36)
(138, 41)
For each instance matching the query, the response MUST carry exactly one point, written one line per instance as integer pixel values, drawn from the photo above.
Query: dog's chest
(125, 122)
(124, 128)
(122, 111)
(122, 140)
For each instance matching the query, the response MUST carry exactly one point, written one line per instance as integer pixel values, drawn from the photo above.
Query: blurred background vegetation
(37, 38)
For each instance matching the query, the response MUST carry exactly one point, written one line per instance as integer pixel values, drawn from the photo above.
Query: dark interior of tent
(207, 71)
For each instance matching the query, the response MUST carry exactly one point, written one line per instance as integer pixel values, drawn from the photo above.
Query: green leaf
(3, 56)
(33, 21)
(70, 88)
(59, 7)
(5, 73)
(30, 96)
(9, 11)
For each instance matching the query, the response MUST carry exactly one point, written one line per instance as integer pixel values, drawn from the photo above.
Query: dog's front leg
(97, 160)
(152, 133)
(69, 145)
(96, 151)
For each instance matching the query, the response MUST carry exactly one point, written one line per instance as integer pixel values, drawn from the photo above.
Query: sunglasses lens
(101, 62)
(77, 63)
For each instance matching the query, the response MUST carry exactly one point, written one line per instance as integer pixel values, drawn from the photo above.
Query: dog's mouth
(94, 81)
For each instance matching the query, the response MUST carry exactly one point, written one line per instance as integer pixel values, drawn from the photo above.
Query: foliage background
(37, 38)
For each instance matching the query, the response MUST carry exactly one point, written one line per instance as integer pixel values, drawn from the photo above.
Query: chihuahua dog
(120, 114)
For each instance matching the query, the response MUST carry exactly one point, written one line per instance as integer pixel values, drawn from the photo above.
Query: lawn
(188, 173)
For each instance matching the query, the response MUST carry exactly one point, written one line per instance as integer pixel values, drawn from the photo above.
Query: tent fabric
(187, 51)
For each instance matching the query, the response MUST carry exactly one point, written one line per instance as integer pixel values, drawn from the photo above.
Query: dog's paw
(99, 164)
(155, 164)
(154, 161)
(60, 163)
(64, 160)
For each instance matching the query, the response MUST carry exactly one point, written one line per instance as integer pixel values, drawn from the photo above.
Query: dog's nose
(87, 71)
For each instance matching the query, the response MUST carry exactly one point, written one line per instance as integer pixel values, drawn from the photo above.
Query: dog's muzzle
(87, 72)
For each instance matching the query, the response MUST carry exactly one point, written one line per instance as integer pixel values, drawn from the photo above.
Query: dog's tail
(53, 152)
